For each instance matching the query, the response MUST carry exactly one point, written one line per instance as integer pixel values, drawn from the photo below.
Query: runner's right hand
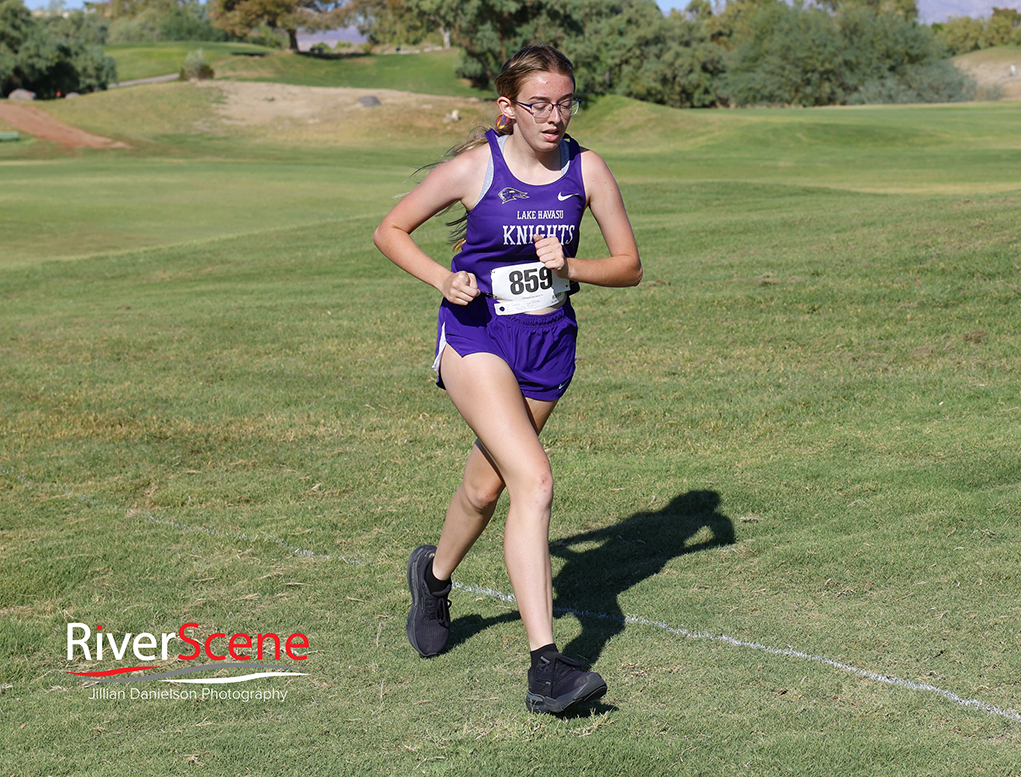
(460, 288)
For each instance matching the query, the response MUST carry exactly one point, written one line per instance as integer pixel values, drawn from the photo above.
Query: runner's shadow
(465, 627)
(592, 579)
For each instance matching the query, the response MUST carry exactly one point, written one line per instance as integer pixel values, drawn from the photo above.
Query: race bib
(519, 288)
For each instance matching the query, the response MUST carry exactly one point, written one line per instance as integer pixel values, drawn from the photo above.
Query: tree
(888, 59)
(879, 45)
(51, 56)
(389, 21)
(996, 31)
(856, 52)
(16, 24)
(434, 13)
(785, 54)
(691, 63)
(632, 50)
(903, 9)
(240, 17)
(617, 46)
(187, 20)
(489, 31)
(734, 23)
(961, 35)
(613, 43)
(751, 52)
(79, 26)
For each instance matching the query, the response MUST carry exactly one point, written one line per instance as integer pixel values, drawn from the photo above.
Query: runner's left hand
(551, 253)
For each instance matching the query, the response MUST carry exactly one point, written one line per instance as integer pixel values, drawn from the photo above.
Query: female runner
(506, 340)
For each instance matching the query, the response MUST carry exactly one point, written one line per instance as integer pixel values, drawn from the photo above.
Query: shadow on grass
(592, 579)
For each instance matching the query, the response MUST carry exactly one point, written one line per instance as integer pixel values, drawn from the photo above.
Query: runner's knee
(482, 495)
(534, 491)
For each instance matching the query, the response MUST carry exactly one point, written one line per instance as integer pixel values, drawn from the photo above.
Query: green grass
(147, 60)
(798, 432)
(428, 73)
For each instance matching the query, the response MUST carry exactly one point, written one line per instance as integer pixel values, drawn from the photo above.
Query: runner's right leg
(474, 502)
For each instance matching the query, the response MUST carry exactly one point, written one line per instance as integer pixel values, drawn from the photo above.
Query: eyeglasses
(541, 110)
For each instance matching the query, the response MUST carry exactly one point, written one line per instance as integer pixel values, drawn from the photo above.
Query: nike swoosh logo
(563, 196)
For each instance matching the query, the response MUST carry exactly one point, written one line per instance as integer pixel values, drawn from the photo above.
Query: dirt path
(257, 102)
(40, 124)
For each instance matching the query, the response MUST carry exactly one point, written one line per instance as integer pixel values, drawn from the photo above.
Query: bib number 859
(530, 280)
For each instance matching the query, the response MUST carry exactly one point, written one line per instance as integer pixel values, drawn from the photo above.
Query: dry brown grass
(334, 115)
(991, 69)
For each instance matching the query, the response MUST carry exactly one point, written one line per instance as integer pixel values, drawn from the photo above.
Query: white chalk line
(866, 674)
(976, 704)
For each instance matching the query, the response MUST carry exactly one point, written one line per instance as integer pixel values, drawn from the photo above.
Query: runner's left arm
(622, 267)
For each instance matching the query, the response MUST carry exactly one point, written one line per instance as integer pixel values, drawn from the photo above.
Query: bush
(936, 82)
(799, 55)
(196, 68)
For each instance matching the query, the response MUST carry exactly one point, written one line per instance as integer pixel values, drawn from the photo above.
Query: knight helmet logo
(509, 194)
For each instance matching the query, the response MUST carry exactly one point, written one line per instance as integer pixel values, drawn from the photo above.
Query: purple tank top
(510, 212)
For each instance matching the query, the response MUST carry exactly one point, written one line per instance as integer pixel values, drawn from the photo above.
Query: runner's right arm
(445, 185)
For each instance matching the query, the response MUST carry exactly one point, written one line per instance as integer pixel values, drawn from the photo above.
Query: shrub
(935, 82)
(196, 68)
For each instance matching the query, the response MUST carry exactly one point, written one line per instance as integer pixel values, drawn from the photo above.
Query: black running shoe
(557, 684)
(429, 619)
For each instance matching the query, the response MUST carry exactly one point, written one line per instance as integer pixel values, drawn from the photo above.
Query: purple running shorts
(539, 349)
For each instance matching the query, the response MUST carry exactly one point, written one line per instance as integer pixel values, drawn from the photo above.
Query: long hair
(528, 60)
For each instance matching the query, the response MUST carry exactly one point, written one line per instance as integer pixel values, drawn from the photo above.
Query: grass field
(788, 495)
(430, 73)
(147, 60)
